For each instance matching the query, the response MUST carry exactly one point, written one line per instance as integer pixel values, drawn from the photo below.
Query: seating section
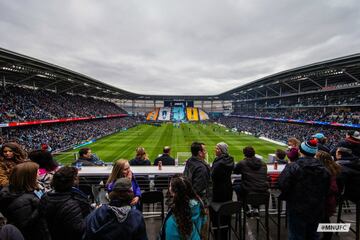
(23, 104)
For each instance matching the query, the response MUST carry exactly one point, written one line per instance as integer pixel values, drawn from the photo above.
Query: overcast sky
(180, 47)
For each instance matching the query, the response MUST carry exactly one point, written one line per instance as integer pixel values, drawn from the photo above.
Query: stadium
(46, 106)
(180, 120)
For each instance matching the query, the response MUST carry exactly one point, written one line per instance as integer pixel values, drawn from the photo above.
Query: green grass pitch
(122, 145)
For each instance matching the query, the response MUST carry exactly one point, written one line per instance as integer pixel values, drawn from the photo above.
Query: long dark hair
(326, 159)
(183, 193)
(19, 154)
(44, 159)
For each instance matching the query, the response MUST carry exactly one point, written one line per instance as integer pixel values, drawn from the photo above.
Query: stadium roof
(18, 69)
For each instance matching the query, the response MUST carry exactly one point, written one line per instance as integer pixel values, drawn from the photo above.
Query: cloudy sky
(190, 47)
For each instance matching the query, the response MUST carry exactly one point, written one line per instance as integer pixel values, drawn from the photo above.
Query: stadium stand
(20, 104)
(62, 136)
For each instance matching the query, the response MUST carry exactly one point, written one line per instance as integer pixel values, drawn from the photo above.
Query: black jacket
(322, 147)
(198, 172)
(165, 159)
(305, 185)
(139, 162)
(114, 221)
(350, 143)
(221, 171)
(349, 177)
(64, 214)
(21, 210)
(253, 175)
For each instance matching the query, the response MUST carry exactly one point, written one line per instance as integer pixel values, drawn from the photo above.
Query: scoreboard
(183, 104)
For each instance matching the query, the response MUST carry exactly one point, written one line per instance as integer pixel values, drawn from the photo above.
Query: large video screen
(183, 104)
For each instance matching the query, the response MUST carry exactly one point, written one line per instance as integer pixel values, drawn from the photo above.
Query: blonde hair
(141, 154)
(326, 159)
(24, 177)
(117, 170)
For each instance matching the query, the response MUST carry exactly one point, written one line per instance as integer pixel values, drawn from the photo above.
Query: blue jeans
(300, 228)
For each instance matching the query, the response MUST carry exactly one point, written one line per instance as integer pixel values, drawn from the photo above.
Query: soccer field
(122, 145)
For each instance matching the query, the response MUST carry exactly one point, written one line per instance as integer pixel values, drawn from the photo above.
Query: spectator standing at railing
(221, 171)
(11, 154)
(198, 172)
(165, 158)
(141, 158)
(304, 184)
(253, 177)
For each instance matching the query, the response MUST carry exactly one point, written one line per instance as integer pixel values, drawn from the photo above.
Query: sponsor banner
(60, 120)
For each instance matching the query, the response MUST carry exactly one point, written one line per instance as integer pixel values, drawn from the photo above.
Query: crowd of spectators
(61, 136)
(340, 116)
(281, 131)
(21, 104)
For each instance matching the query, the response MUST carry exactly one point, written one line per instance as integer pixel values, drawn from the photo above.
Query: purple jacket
(293, 154)
(135, 186)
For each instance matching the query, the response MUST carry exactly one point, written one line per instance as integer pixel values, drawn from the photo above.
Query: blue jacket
(171, 228)
(115, 221)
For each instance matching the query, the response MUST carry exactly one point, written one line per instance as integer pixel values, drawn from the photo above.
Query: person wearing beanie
(322, 140)
(305, 184)
(351, 141)
(221, 170)
(117, 220)
(309, 148)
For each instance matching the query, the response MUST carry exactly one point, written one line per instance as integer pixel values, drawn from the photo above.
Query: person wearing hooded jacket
(117, 220)
(221, 170)
(253, 174)
(349, 177)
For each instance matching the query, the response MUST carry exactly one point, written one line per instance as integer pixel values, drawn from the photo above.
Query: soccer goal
(183, 156)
